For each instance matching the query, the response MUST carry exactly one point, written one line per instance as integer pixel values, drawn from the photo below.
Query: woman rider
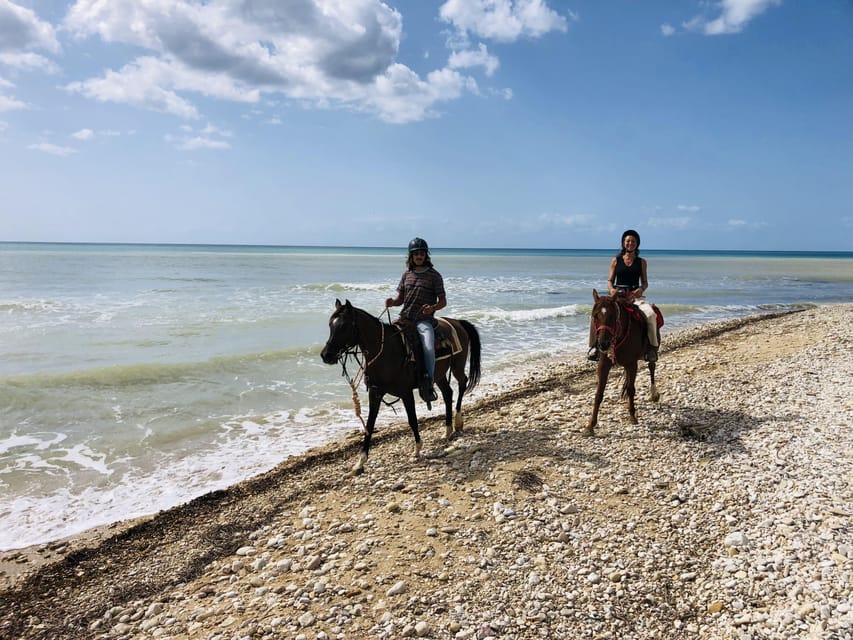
(421, 292)
(628, 277)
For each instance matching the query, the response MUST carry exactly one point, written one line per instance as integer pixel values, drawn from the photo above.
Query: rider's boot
(593, 354)
(651, 354)
(425, 389)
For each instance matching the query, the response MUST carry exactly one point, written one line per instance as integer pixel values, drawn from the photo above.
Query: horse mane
(359, 310)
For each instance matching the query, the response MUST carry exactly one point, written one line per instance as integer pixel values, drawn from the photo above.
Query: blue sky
(472, 123)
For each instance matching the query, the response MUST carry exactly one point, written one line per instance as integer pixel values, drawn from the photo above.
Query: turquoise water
(136, 377)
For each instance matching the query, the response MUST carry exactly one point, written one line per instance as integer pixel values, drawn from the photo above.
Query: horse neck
(370, 331)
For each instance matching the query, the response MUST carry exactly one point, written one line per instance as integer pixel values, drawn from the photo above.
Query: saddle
(447, 341)
(634, 311)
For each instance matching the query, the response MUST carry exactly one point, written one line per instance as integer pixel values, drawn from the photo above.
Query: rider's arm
(432, 308)
(610, 286)
(393, 302)
(645, 279)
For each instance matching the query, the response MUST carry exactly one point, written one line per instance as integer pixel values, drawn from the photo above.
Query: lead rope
(357, 378)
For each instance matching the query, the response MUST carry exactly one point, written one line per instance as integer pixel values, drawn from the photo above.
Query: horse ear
(337, 303)
(595, 295)
(348, 305)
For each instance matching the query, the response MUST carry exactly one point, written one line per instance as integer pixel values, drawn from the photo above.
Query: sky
(702, 124)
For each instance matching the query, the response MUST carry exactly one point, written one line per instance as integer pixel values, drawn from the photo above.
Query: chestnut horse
(388, 368)
(621, 340)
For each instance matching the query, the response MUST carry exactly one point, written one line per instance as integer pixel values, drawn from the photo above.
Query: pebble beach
(726, 513)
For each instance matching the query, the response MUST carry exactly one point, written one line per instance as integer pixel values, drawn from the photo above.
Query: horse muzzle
(329, 357)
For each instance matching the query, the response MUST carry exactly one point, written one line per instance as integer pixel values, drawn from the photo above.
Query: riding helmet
(418, 244)
(631, 232)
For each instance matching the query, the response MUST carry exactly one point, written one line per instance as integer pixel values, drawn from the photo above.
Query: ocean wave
(345, 286)
(142, 374)
(529, 315)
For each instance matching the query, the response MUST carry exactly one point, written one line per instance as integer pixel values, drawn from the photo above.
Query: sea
(134, 378)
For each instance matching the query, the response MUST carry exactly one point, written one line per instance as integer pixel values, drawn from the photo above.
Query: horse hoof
(354, 473)
(589, 431)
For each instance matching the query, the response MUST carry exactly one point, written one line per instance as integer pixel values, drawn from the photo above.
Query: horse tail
(475, 347)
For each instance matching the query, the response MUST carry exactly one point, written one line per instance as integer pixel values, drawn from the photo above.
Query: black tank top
(625, 276)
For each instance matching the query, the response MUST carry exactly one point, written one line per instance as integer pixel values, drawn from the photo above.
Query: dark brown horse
(621, 340)
(388, 368)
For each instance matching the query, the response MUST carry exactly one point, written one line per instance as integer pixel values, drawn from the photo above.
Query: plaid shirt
(419, 288)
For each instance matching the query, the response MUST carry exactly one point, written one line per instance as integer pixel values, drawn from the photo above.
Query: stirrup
(593, 354)
(427, 392)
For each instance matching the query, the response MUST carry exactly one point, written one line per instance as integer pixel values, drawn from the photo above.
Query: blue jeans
(427, 334)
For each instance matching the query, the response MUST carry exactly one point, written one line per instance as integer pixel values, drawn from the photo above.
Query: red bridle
(615, 330)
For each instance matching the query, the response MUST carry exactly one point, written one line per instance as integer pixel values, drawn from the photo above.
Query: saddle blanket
(634, 312)
(447, 340)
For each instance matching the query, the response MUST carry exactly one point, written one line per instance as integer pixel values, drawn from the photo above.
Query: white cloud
(735, 224)
(205, 138)
(83, 134)
(667, 29)
(690, 208)
(503, 20)
(28, 62)
(8, 103)
(471, 58)
(734, 16)
(328, 53)
(52, 149)
(401, 96)
(200, 142)
(675, 222)
(21, 29)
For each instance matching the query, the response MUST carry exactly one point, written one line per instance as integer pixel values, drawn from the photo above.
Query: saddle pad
(450, 336)
(634, 311)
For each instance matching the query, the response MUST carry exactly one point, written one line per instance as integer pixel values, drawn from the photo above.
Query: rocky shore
(724, 514)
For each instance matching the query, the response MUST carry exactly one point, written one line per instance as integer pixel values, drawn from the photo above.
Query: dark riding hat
(631, 232)
(418, 244)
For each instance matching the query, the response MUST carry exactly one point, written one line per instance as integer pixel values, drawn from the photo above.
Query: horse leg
(446, 395)
(462, 383)
(629, 389)
(604, 365)
(409, 403)
(653, 391)
(375, 400)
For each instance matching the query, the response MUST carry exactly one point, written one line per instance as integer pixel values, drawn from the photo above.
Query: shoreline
(144, 560)
(16, 562)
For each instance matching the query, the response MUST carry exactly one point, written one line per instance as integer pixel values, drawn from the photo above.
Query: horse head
(343, 332)
(606, 319)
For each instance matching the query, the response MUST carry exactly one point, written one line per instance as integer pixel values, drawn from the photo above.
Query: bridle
(617, 336)
(358, 352)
